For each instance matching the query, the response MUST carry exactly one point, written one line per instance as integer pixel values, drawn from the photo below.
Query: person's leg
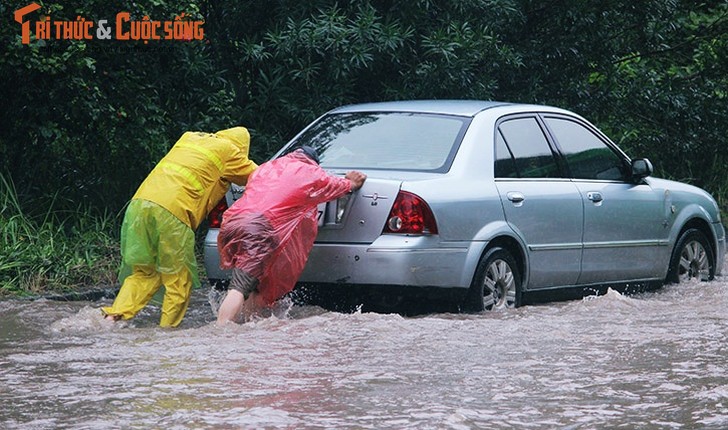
(231, 307)
(176, 297)
(242, 285)
(252, 306)
(138, 275)
(135, 293)
(176, 256)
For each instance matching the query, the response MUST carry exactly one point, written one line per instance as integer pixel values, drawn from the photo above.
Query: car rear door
(624, 222)
(541, 205)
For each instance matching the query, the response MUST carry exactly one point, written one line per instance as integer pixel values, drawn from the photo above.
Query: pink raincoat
(286, 192)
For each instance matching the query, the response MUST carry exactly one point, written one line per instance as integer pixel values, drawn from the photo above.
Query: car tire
(496, 284)
(692, 258)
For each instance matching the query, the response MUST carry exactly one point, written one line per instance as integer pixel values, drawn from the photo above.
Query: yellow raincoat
(157, 235)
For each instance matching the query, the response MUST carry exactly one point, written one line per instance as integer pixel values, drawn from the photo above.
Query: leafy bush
(53, 250)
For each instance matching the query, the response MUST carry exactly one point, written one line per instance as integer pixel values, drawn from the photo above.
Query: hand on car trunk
(357, 179)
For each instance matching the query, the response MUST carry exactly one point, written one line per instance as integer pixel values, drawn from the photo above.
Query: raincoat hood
(196, 173)
(238, 135)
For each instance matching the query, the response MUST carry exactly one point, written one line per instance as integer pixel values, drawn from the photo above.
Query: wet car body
(473, 205)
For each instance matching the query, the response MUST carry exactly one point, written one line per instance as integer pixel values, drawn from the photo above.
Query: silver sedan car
(483, 205)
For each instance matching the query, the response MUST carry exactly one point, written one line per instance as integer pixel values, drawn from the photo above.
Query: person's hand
(357, 179)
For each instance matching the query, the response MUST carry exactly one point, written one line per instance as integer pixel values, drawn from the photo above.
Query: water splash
(87, 319)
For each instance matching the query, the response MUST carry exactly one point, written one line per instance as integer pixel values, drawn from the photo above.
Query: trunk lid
(358, 217)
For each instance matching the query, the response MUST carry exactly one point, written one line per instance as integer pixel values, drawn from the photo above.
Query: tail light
(410, 215)
(214, 219)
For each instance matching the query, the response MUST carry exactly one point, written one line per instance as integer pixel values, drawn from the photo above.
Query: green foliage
(89, 119)
(53, 250)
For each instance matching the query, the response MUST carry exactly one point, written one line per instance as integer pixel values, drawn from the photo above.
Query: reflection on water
(656, 360)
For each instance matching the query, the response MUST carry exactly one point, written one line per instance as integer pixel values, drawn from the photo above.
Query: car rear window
(386, 141)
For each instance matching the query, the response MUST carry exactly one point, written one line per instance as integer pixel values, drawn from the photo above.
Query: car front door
(623, 221)
(541, 205)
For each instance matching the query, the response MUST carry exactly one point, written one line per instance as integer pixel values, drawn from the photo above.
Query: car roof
(448, 107)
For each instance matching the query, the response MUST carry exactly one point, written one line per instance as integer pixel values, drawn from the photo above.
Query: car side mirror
(641, 168)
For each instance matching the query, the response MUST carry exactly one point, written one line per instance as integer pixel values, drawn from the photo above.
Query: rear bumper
(417, 261)
(390, 260)
(212, 258)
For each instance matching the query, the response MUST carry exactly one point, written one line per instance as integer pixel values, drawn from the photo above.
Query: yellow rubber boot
(135, 293)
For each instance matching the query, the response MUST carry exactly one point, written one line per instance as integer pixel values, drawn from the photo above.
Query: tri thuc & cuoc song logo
(122, 27)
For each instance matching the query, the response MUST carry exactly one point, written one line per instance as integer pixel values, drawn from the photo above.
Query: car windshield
(388, 141)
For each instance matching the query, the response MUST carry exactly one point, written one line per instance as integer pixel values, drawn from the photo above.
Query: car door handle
(594, 196)
(515, 196)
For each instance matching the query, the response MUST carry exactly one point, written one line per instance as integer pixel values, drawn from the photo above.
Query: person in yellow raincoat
(157, 234)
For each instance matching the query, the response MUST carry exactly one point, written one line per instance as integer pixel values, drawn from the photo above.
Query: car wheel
(692, 258)
(497, 283)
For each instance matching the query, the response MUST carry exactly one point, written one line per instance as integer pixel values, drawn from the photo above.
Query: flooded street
(655, 360)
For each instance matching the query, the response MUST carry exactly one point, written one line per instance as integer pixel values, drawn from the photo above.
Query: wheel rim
(694, 262)
(499, 286)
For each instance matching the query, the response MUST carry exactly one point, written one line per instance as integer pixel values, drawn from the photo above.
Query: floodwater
(655, 360)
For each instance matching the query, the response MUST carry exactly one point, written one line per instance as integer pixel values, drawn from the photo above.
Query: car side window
(587, 156)
(505, 166)
(531, 153)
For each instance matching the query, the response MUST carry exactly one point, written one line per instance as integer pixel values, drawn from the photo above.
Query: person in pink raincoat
(266, 235)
